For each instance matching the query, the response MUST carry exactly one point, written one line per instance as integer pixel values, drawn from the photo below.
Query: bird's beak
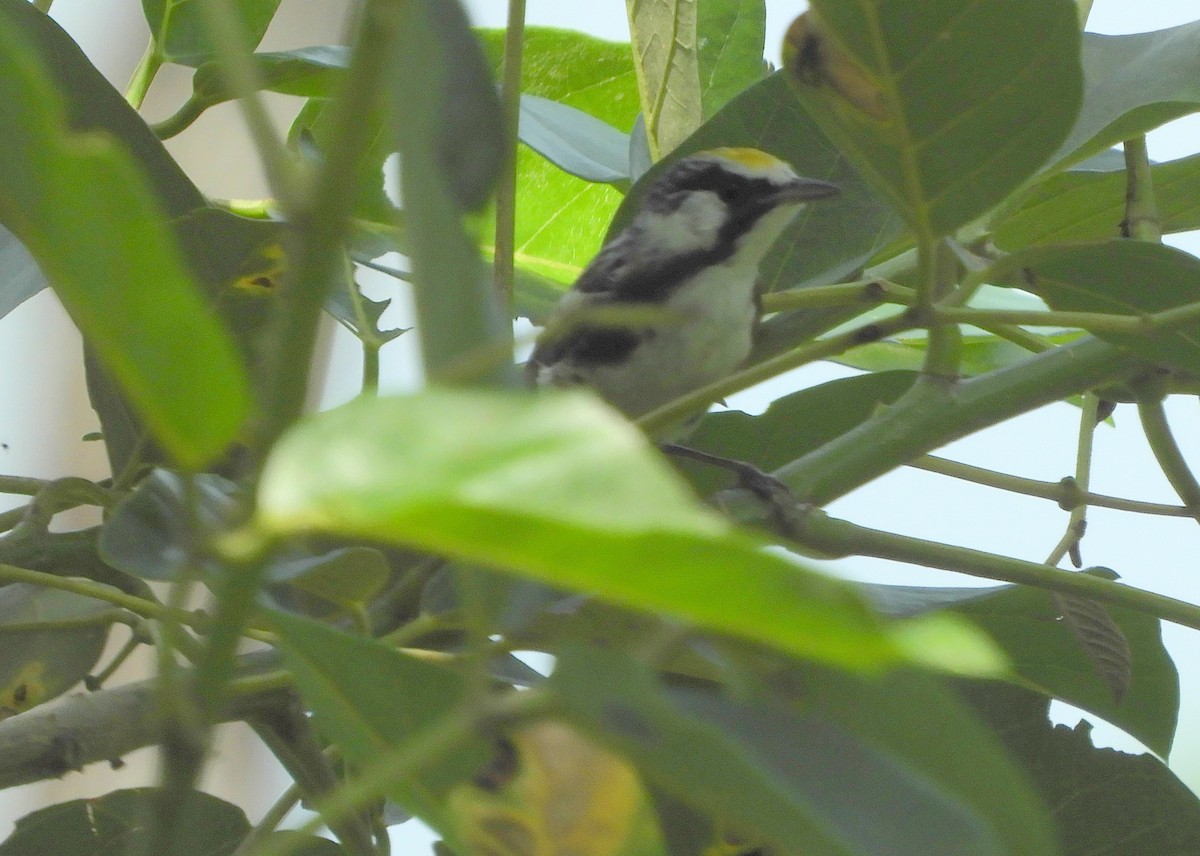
(804, 189)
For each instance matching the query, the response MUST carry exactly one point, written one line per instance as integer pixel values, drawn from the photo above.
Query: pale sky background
(1153, 553)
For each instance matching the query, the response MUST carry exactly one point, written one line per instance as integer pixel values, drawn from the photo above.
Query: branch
(839, 538)
(52, 740)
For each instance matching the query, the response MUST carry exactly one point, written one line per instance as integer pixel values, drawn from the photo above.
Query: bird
(689, 260)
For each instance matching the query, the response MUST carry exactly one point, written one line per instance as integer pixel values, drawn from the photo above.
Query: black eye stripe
(735, 190)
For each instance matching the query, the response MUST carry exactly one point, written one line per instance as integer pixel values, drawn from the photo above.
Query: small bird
(690, 256)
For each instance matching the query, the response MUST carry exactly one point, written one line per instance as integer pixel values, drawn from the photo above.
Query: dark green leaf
(794, 780)
(788, 429)
(1121, 277)
(946, 108)
(1104, 801)
(370, 698)
(560, 489)
(148, 534)
(730, 37)
(361, 315)
(917, 720)
(312, 72)
(49, 642)
(1131, 84)
(1048, 658)
(574, 141)
(181, 35)
(81, 205)
(118, 823)
(91, 103)
(348, 576)
(1082, 205)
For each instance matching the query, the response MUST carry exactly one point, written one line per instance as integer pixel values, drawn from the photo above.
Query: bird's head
(724, 199)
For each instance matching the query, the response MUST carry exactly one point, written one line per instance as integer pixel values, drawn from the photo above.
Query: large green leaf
(119, 823)
(1120, 277)
(560, 489)
(1103, 801)
(561, 219)
(944, 107)
(1081, 205)
(1133, 83)
(798, 781)
(83, 207)
(1047, 657)
(369, 699)
(730, 38)
(180, 31)
(666, 58)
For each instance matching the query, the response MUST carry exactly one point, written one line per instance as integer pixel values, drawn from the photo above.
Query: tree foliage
(989, 254)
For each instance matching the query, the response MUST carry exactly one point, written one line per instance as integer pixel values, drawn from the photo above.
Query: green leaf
(560, 227)
(150, 533)
(91, 103)
(1047, 657)
(119, 822)
(796, 780)
(311, 72)
(576, 142)
(1081, 205)
(348, 577)
(829, 240)
(663, 36)
(450, 142)
(1105, 801)
(369, 699)
(787, 430)
(944, 109)
(81, 205)
(180, 34)
(924, 724)
(730, 36)
(1120, 277)
(1131, 84)
(49, 642)
(560, 489)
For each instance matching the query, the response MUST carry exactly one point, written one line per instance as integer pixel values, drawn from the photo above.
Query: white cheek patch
(694, 225)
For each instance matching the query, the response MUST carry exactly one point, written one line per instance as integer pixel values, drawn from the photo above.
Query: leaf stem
(180, 120)
(1166, 450)
(840, 538)
(506, 186)
(1066, 493)
(869, 291)
(143, 74)
(943, 353)
(1141, 210)
(1077, 525)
